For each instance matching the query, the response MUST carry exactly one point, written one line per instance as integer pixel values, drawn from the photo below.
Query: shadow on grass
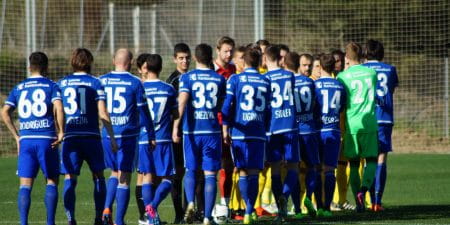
(395, 214)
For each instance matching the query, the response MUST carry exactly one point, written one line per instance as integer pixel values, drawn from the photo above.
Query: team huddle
(259, 116)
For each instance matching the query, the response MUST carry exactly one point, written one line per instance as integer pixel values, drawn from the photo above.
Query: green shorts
(363, 145)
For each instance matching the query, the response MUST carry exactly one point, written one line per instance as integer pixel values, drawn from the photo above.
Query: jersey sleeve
(227, 108)
(12, 100)
(141, 100)
(223, 88)
(394, 78)
(183, 85)
(56, 92)
(99, 91)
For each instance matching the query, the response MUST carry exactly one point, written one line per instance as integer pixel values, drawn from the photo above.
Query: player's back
(33, 98)
(124, 93)
(161, 100)
(304, 94)
(78, 92)
(252, 95)
(359, 83)
(206, 88)
(282, 101)
(330, 100)
(387, 81)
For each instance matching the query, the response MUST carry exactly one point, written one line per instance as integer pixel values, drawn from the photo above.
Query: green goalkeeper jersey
(359, 83)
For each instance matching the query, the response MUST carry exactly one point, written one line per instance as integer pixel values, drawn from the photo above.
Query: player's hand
(114, 146)
(226, 138)
(152, 145)
(175, 137)
(58, 140)
(18, 144)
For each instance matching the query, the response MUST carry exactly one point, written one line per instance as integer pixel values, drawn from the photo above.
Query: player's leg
(225, 175)
(352, 152)
(331, 143)
(138, 189)
(125, 163)
(385, 146)
(191, 160)
(113, 181)
(70, 166)
(211, 163)
(310, 156)
(369, 150)
(275, 154)
(291, 184)
(49, 162)
(145, 178)
(27, 169)
(177, 181)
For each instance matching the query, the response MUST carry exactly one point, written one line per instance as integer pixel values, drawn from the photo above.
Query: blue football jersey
(205, 88)
(282, 101)
(81, 113)
(304, 95)
(330, 101)
(161, 100)
(387, 81)
(124, 94)
(247, 106)
(33, 98)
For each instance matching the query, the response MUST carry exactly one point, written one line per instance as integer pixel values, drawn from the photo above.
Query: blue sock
(243, 187)
(372, 192)
(111, 188)
(51, 201)
(330, 184)
(23, 203)
(318, 191)
(123, 198)
(210, 194)
(161, 192)
(310, 179)
(295, 195)
(147, 193)
(252, 191)
(189, 185)
(277, 187)
(380, 182)
(291, 185)
(69, 198)
(99, 196)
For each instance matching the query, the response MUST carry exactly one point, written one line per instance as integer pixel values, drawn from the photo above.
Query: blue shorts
(384, 138)
(202, 151)
(77, 149)
(309, 148)
(329, 145)
(283, 147)
(35, 153)
(248, 154)
(123, 159)
(159, 161)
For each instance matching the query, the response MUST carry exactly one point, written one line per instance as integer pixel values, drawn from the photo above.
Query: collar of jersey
(151, 81)
(250, 70)
(372, 61)
(203, 68)
(274, 69)
(120, 72)
(79, 73)
(36, 76)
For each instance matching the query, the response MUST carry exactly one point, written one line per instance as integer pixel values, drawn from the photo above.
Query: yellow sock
(236, 201)
(267, 196)
(340, 193)
(261, 183)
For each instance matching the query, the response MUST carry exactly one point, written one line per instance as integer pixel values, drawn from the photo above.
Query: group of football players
(260, 116)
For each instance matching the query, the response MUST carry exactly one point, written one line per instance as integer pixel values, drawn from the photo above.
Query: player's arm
(106, 121)
(183, 98)
(227, 111)
(7, 111)
(59, 116)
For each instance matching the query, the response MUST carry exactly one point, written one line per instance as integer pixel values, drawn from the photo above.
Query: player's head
(327, 63)
(315, 72)
(252, 58)
(284, 49)
(292, 61)
(224, 49)
(305, 64)
(153, 64)
(263, 44)
(272, 54)
(122, 59)
(374, 50)
(353, 53)
(238, 58)
(339, 58)
(140, 62)
(182, 56)
(38, 63)
(203, 54)
(82, 60)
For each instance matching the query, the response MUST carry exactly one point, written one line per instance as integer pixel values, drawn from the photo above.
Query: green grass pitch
(417, 192)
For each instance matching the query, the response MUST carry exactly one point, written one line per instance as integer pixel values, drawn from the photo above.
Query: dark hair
(252, 57)
(292, 61)
(272, 53)
(341, 55)
(374, 50)
(140, 60)
(307, 56)
(327, 62)
(283, 47)
(203, 54)
(181, 47)
(263, 42)
(353, 51)
(224, 40)
(38, 62)
(154, 63)
(82, 60)
(240, 49)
